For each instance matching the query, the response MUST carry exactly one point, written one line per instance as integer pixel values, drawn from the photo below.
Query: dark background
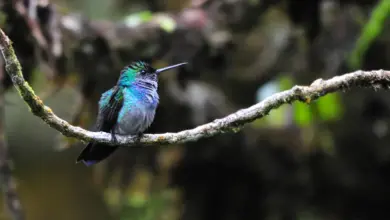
(326, 160)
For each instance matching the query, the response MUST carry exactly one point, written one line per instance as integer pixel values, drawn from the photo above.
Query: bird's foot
(138, 138)
(113, 137)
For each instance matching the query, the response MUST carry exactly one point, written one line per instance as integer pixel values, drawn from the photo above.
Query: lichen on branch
(376, 79)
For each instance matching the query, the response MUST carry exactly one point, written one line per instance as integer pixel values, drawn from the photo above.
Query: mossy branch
(376, 79)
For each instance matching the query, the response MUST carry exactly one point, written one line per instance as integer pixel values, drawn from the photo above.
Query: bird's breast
(135, 119)
(151, 100)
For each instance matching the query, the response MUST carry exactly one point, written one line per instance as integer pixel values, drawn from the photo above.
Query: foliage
(372, 29)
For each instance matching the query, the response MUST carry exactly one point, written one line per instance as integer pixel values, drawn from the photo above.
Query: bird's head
(140, 71)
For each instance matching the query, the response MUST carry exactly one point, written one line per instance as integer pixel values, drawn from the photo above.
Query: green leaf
(136, 19)
(370, 31)
(302, 114)
(137, 200)
(330, 107)
(286, 82)
(167, 23)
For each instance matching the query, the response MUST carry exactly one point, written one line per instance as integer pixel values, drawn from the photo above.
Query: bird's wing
(110, 104)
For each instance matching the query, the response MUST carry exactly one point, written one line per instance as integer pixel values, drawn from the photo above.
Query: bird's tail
(94, 153)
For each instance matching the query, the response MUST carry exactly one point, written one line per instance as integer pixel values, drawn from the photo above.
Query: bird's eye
(143, 72)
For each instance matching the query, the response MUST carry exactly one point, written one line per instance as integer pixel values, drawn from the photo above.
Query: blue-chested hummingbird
(126, 109)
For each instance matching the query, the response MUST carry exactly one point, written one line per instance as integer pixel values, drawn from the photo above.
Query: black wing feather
(106, 122)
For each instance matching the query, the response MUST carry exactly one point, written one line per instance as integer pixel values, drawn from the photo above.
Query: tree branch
(376, 79)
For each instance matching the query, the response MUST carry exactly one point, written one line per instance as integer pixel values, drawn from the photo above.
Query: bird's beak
(169, 67)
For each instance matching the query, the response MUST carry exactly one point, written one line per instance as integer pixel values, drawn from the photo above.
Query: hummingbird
(126, 109)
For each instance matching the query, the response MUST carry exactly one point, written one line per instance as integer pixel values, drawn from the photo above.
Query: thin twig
(376, 79)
